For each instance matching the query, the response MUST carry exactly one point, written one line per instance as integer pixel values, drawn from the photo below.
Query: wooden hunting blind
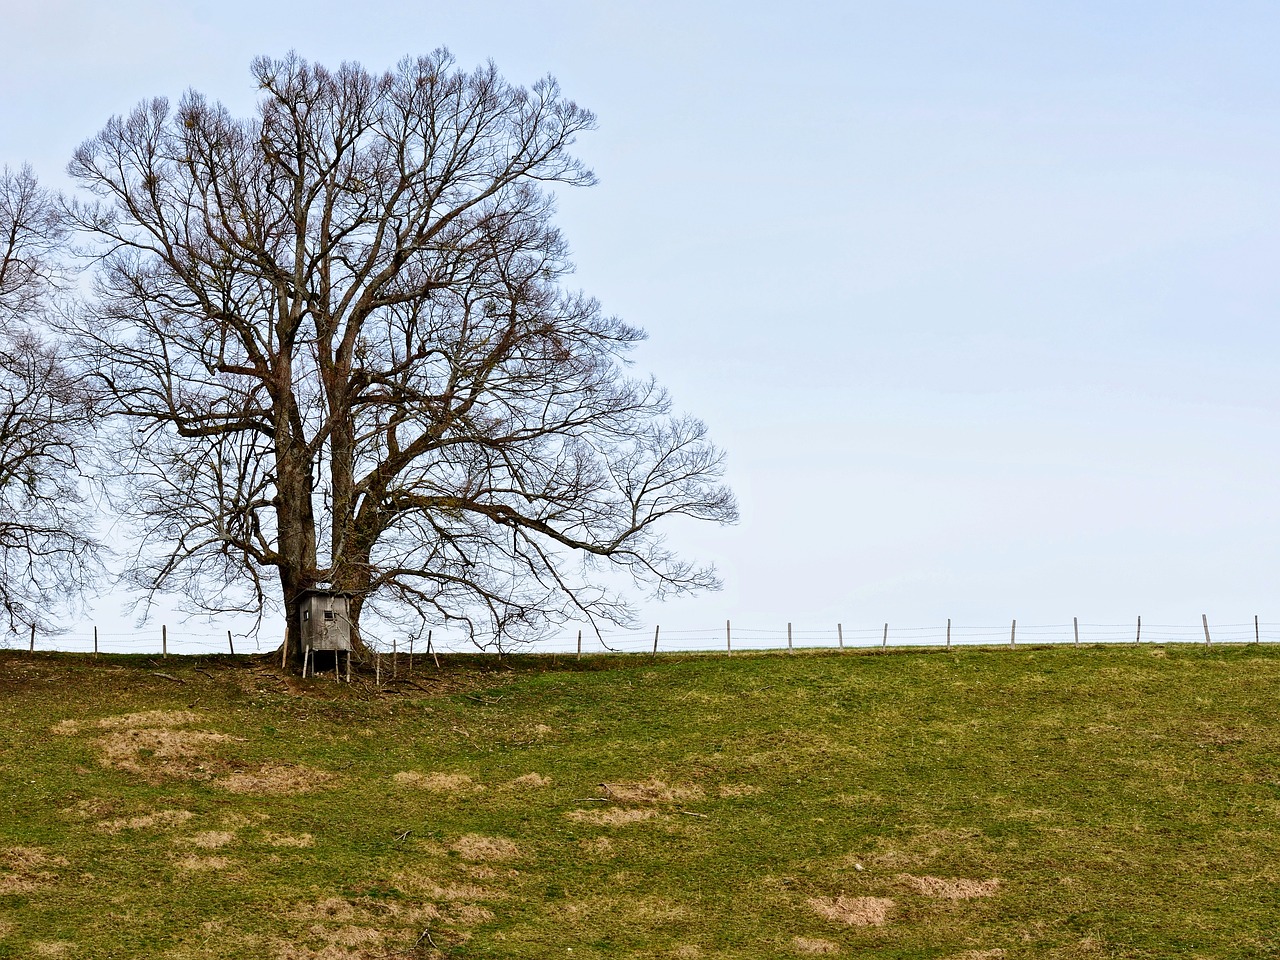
(325, 626)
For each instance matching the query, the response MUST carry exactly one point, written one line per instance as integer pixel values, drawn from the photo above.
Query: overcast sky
(980, 298)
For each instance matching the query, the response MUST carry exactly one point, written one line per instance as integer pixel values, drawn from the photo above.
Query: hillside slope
(971, 805)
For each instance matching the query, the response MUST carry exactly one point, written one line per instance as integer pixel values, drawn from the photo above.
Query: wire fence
(185, 640)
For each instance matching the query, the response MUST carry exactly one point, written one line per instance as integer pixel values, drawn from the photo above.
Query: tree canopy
(342, 340)
(47, 549)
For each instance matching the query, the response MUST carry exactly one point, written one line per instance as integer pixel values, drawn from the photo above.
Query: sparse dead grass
(155, 752)
(530, 781)
(956, 888)
(194, 863)
(611, 816)
(280, 780)
(651, 791)
(815, 946)
(287, 840)
(209, 839)
(854, 911)
(161, 819)
(27, 869)
(436, 782)
(479, 849)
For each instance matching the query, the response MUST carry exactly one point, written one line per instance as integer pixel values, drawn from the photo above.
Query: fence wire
(186, 641)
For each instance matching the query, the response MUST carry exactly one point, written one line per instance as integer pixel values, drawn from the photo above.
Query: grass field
(971, 805)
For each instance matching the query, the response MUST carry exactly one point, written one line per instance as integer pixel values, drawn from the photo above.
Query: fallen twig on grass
(167, 676)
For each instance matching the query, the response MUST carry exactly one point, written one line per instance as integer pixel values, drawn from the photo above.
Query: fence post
(728, 638)
(1204, 618)
(411, 655)
(789, 648)
(231, 643)
(948, 633)
(1257, 637)
(840, 634)
(579, 644)
(1138, 639)
(1013, 631)
(1075, 625)
(33, 638)
(395, 659)
(377, 668)
(95, 639)
(164, 640)
(655, 640)
(432, 650)
(884, 642)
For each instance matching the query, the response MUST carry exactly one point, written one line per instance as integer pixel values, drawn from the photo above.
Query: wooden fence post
(1013, 631)
(1204, 618)
(377, 668)
(395, 658)
(231, 643)
(95, 639)
(432, 650)
(1138, 639)
(840, 634)
(33, 638)
(884, 642)
(789, 647)
(728, 638)
(411, 655)
(948, 633)
(164, 640)
(579, 644)
(1075, 625)
(655, 640)
(1257, 637)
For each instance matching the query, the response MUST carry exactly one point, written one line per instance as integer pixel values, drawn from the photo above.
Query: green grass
(1127, 800)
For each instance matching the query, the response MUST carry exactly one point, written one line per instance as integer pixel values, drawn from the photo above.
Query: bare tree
(47, 551)
(341, 333)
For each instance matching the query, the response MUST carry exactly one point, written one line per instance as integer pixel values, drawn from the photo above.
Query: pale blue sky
(979, 297)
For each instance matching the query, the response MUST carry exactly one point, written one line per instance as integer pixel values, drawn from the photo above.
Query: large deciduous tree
(47, 550)
(341, 335)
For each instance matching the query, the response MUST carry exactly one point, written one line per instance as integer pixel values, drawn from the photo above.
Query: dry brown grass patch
(54, 948)
(5, 929)
(209, 839)
(530, 781)
(429, 886)
(733, 790)
(27, 869)
(287, 840)
(276, 781)
(478, 849)
(160, 751)
(977, 955)
(855, 911)
(160, 819)
(814, 945)
(196, 864)
(436, 782)
(957, 888)
(687, 951)
(650, 791)
(611, 816)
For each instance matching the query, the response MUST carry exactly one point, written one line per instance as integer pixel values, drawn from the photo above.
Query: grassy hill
(971, 805)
